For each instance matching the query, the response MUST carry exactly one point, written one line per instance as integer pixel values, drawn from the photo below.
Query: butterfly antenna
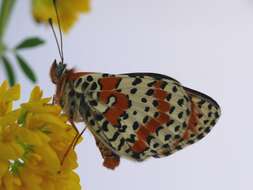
(55, 37)
(59, 26)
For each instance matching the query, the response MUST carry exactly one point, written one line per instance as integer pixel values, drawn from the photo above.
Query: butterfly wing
(139, 115)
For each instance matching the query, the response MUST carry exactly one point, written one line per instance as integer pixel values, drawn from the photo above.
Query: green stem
(2, 49)
(5, 12)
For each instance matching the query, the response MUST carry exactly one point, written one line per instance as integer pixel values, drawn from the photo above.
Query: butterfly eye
(60, 69)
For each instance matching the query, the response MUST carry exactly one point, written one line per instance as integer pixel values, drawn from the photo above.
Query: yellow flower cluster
(68, 11)
(33, 140)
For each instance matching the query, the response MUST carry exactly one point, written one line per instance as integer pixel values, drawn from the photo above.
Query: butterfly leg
(73, 142)
(111, 160)
(74, 126)
(78, 137)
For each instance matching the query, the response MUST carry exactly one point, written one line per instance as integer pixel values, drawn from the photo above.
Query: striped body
(139, 115)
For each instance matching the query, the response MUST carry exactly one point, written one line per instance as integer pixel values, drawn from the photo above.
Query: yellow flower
(7, 96)
(33, 141)
(68, 11)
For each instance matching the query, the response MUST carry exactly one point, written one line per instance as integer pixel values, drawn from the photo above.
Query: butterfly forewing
(139, 115)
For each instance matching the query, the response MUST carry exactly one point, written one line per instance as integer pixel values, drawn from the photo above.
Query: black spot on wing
(136, 81)
(125, 116)
(89, 78)
(131, 139)
(136, 156)
(93, 103)
(122, 128)
(145, 119)
(135, 125)
(149, 139)
(163, 84)
(155, 145)
(147, 109)
(122, 142)
(115, 136)
(180, 102)
(216, 114)
(172, 109)
(167, 137)
(168, 98)
(177, 128)
(105, 126)
(180, 115)
(150, 92)
(144, 100)
(99, 117)
(79, 81)
(72, 93)
(93, 86)
(174, 89)
(84, 86)
(92, 122)
(207, 130)
(151, 84)
(133, 90)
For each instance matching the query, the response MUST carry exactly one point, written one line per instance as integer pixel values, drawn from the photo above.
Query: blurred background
(206, 45)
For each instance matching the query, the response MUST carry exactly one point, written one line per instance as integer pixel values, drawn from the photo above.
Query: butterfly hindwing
(139, 115)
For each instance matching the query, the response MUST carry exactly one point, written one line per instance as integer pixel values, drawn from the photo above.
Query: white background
(205, 44)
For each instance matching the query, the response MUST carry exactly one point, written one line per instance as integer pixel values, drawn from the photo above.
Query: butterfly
(134, 115)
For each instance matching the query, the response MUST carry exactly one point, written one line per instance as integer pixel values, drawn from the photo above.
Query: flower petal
(9, 118)
(10, 151)
(68, 11)
(12, 94)
(3, 88)
(4, 165)
(36, 94)
(30, 179)
(49, 158)
(38, 108)
(51, 119)
(28, 137)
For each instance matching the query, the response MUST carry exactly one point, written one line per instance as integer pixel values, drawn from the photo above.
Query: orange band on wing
(192, 123)
(109, 83)
(121, 100)
(163, 106)
(160, 94)
(140, 145)
(144, 131)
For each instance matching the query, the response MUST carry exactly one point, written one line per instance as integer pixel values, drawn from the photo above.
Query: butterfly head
(59, 75)
(57, 71)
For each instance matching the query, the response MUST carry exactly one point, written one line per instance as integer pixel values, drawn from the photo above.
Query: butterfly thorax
(70, 102)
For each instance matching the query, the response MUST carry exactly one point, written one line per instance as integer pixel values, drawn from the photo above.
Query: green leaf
(9, 70)
(27, 70)
(5, 12)
(30, 42)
